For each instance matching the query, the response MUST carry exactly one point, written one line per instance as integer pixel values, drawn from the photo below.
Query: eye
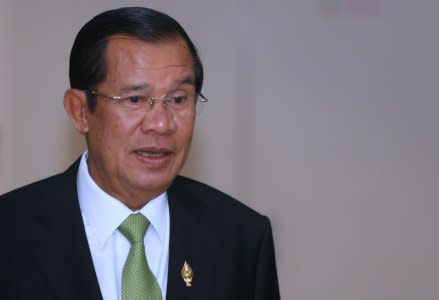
(178, 99)
(135, 99)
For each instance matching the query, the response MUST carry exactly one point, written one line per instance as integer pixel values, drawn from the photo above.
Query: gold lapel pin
(187, 274)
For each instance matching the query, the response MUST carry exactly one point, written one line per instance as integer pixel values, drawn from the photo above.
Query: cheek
(116, 136)
(185, 136)
(108, 132)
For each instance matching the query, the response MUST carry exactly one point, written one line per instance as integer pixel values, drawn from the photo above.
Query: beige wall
(326, 121)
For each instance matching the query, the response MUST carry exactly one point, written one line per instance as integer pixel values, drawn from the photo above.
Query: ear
(75, 104)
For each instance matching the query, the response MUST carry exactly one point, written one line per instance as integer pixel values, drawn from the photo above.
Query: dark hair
(87, 58)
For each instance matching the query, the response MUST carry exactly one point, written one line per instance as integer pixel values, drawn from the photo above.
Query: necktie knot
(134, 228)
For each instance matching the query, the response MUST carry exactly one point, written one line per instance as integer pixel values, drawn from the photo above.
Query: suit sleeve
(266, 285)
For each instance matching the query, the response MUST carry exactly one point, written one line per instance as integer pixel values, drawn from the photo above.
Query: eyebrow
(134, 88)
(186, 80)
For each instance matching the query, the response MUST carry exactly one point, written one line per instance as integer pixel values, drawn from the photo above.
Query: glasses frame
(151, 100)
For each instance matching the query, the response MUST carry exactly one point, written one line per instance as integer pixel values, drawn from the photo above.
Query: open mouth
(153, 153)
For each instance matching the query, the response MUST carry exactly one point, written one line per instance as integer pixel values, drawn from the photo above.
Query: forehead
(128, 57)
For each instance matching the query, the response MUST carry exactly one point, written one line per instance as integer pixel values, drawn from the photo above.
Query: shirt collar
(104, 213)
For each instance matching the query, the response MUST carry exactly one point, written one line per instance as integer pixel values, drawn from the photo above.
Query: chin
(155, 183)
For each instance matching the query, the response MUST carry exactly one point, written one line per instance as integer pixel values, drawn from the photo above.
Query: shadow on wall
(2, 162)
(1, 147)
(194, 164)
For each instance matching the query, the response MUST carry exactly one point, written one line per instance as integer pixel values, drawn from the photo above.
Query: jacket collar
(64, 256)
(62, 249)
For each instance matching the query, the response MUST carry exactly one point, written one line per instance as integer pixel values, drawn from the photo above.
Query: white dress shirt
(102, 214)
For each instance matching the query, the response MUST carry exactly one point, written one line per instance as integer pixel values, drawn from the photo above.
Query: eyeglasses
(181, 103)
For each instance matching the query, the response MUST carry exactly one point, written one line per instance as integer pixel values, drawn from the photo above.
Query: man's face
(134, 156)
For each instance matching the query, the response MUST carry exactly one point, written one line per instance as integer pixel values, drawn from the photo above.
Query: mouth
(153, 153)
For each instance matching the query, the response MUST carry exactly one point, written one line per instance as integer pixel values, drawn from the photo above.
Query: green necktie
(138, 282)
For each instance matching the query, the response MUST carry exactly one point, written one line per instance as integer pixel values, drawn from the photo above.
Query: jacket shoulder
(30, 194)
(21, 196)
(219, 202)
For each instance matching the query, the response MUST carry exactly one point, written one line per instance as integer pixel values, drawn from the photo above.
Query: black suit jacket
(45, 255)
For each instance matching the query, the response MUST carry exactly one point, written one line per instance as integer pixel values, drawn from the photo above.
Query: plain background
(323, 115)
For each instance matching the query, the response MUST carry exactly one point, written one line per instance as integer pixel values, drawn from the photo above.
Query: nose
(158, 118)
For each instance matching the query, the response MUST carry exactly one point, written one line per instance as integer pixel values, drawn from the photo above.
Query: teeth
(150, 154)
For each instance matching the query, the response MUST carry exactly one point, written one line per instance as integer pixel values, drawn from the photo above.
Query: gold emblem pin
(187, 274)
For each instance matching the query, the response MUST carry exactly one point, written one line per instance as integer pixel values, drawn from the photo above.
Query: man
(135, 81)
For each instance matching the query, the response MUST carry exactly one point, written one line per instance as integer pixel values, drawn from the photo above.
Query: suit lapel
(62, 252)
(190, 241)
(61, 244)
